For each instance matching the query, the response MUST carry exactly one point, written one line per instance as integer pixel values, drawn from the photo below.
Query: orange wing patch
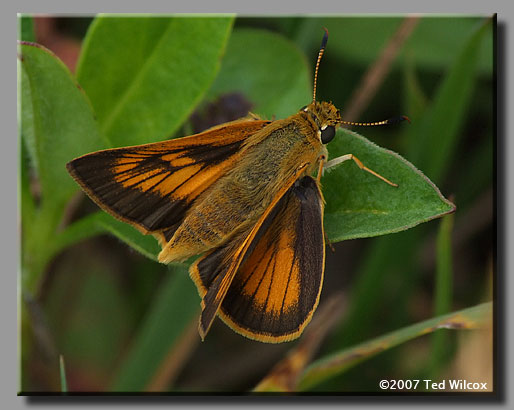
(262, 284)
(159, 180)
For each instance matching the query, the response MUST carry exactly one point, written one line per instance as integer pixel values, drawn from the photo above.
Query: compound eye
(328, 134)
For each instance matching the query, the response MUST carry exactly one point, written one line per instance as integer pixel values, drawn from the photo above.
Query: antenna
(394, 120)
(320, 54)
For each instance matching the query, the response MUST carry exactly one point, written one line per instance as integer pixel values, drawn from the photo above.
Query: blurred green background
(123, 322)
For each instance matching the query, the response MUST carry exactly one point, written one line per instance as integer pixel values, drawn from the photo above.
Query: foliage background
(124, 322)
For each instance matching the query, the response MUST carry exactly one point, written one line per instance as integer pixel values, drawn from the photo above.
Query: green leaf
(444, 271)
(144, 244)
(25, 199)
(25, 127)
(441, 343)
(26, 118)
(361, 205)
(57, 121)
(337, 363)
(56, 125)
(145, 75)
(268, 69)
(174, 309)
(62, 373)
(84, 228)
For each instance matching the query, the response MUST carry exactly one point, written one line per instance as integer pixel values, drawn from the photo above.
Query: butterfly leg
(347, 157)
(322, 161)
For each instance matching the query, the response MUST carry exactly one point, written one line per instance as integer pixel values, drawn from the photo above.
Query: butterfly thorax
(269, 159)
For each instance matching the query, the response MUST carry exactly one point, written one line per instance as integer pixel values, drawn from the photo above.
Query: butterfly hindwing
(151, 186)
(276, 289)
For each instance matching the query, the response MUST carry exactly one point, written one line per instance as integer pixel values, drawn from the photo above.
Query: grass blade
(177, 301)
(435, 137)
(328, 367)
(443, 293)
(62, 372)
(144, 244)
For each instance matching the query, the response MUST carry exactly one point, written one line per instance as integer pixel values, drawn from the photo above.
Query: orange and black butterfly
(246, 195)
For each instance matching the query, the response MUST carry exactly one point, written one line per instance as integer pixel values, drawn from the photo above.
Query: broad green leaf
(145, 75)
(337, 363)
(269, 70)
(359, 204)
(57, 120)
(175, 307)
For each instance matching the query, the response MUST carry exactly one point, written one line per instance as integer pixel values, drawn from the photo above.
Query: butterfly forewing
(152, 186)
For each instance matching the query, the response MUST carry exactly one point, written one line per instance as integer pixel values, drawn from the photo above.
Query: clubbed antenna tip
(324, 40)
(396, 120)
(320, 54)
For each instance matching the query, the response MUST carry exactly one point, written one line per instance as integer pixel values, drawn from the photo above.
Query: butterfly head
(326, 117)
(324, 114)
